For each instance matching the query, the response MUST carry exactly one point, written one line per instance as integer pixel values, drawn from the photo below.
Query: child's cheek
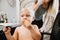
(31, 19)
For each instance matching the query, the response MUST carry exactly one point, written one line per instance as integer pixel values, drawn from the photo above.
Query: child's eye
(22, 15)
(27, 15)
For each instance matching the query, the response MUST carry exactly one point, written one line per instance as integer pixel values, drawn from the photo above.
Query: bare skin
(26, 32)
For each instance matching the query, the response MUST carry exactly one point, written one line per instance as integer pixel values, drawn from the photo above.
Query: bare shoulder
(17, 28)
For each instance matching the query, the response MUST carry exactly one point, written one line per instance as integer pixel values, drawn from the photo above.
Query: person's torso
(24, 34)
(39, 13)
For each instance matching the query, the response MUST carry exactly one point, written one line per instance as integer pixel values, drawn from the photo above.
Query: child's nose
(25, 17)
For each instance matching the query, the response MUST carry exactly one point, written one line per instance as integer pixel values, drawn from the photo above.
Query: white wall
(12, 13)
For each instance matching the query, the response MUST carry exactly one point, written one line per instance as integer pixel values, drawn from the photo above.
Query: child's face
(25, 15)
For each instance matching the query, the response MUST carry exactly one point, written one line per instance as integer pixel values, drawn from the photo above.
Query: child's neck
(23, 26)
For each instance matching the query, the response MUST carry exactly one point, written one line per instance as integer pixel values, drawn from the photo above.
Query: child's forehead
(24, 11)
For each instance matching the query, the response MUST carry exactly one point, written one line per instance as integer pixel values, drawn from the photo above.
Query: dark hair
(59, 4)
(50, 3)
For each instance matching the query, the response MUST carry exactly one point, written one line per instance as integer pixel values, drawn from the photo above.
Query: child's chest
(24, 34)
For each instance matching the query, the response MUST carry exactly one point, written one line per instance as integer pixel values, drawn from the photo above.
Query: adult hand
(40, 2)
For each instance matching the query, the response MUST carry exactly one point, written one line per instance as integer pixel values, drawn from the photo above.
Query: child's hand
(26, 23)
(6, 30)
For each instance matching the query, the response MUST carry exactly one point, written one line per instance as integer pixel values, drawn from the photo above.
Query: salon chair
(55, 34)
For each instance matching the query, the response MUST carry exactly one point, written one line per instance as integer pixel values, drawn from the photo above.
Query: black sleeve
(38, 23)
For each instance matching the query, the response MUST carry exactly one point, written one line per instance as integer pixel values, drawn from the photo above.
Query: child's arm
(35, 32)
(15, 35)
(8, 34)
